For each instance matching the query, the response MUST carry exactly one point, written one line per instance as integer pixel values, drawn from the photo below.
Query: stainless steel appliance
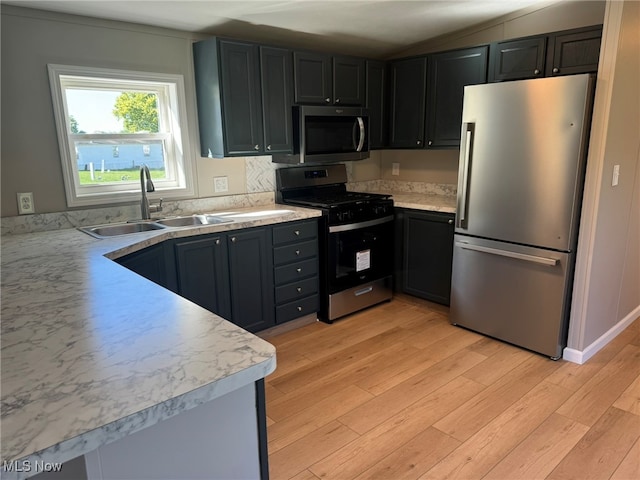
(356, 237)
(521, 171)
(328, 135)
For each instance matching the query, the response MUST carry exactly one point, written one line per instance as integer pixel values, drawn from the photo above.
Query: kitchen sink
(194, 220)
(116, 229)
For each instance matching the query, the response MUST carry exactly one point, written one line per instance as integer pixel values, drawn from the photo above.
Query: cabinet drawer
(295, 271)
(297, 308)
(295, 290)
(295, 251)
(292, 232)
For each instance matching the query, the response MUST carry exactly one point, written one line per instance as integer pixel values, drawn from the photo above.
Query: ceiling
(374, 28)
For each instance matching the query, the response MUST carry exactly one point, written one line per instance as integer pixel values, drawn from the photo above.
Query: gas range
(355, 237)
(324, 187)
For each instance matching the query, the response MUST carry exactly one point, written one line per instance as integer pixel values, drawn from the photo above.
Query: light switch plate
(616, 175)
(25, 203)
(395, 169)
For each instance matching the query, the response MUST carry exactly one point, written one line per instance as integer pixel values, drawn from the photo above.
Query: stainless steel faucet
(146, 185)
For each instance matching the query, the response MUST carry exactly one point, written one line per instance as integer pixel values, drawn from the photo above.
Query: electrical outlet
(616, 175)
(395, 169)
(25, 203)
(220, 184)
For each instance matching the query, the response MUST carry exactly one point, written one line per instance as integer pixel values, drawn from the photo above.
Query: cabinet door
(348, 81)
(251, 279)
(276, 75)
(376, 103)
(449, 72)
(203, 274)
(152, 263)
(407, 109)
(241, 98)
(575, 51)
(517, 59)
(312, 78)
(428, 255)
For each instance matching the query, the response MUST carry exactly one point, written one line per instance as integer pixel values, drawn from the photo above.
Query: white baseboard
(581, 356)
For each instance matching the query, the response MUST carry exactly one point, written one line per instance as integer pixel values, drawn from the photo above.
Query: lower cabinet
(254, 277)
(295, 274)
(423, 263)
(230, 275)
(154, 263)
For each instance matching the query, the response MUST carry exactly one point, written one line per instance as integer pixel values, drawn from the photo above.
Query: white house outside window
(110, 122)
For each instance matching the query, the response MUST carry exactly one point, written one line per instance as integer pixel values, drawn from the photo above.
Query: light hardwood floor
(395, 392)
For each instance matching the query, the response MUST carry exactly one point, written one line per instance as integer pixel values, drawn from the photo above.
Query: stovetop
(336, 199)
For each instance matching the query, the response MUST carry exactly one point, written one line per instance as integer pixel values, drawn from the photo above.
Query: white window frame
(172, 116)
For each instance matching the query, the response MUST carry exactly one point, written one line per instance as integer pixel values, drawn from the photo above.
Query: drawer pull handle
(233, 239)
(299, 289)
(297, 252)
(217, 241)
(298, 270)
(297, 233)
(299, 309)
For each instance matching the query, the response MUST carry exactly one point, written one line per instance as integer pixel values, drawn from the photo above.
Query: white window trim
(181, 170)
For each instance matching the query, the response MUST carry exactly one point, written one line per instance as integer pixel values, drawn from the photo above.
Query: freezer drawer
(514, 293)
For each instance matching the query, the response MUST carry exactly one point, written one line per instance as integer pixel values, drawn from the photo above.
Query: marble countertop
(92, 352)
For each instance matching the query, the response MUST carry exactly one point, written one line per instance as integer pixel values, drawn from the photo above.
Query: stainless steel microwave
(328, 134)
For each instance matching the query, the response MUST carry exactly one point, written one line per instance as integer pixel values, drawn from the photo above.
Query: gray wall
(31, 40)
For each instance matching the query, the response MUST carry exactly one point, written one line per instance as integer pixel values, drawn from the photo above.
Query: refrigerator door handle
(550, 262)
(466, 150)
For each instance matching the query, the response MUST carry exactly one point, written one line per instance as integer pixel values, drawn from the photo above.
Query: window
(110, 123)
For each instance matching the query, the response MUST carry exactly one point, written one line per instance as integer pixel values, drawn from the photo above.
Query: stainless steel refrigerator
(522, 161)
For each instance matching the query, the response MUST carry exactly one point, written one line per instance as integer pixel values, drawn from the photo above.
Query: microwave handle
(360, 123)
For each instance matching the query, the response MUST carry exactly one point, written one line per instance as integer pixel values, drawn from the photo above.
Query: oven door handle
(356, 226)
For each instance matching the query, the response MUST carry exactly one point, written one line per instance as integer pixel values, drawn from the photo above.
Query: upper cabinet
(574, 51)
(244, 98)
(376, 94)
(322, 79)
(407, 106)
(560, 53)
(517, 59)
(449, 73)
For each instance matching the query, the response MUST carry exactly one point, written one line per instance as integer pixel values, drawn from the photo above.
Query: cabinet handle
(268, 147)
(233, 239)
(299, 309)
(256, 147)
(299, 289)
(536, 72)
(450, 222)
(556, 70)
(298, 270)
(217, 241)
(327, 100)
(337, 100)
(430, 142)
(297, 252)
(296, 233)
(418, 142)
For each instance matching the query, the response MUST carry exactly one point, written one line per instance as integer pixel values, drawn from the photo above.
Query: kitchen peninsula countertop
(92, 352)
(424, 201)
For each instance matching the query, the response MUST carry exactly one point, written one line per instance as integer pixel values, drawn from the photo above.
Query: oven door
(359, 253)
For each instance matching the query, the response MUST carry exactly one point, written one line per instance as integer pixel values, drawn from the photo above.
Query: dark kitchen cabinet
(566, 52)
(322, 79)
(574, 51)
(376, 94)
(449, 73)
(426, 254)
(230, 275)
(295, 260)
(517, 59)
(408, 82)
(203, 273)
(276, 78)
(243, 94)
(250, 278)
(154, 263)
